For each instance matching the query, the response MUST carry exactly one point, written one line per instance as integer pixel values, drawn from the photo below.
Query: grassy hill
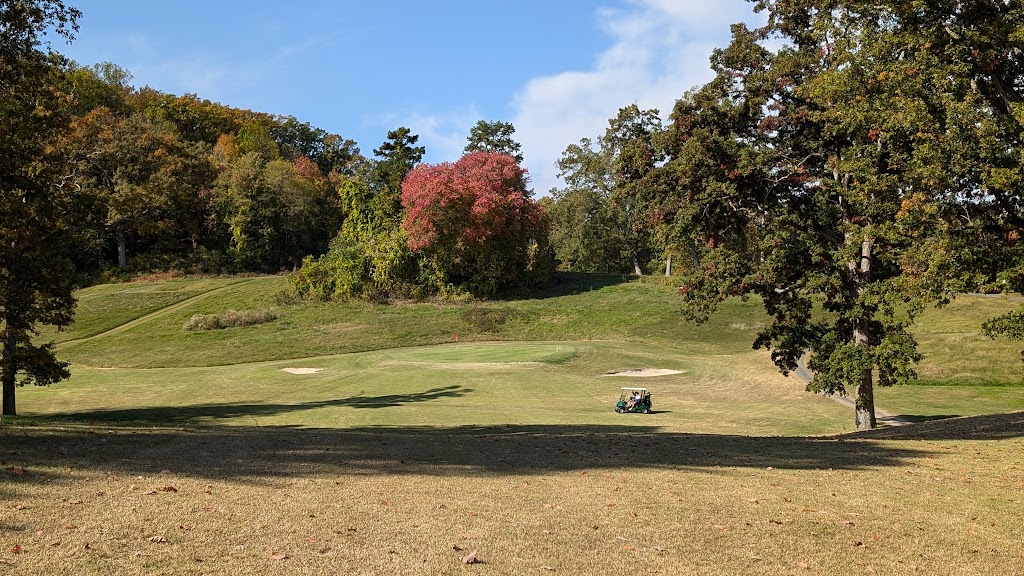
(415, 434)
(140, 325)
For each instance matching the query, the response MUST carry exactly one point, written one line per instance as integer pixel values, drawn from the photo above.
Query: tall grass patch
(230, 319)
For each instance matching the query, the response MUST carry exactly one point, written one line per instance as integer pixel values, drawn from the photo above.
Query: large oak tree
(860, 156)
(35, 271)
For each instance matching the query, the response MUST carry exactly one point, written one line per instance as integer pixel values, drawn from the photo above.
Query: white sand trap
(645, 372)
(301, 370)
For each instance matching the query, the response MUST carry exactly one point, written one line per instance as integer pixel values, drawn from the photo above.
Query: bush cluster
(230, 319)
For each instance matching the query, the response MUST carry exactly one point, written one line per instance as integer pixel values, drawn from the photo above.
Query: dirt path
(881, 416)
(153, 315)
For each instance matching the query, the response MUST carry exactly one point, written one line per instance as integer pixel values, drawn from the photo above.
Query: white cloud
(659, 50)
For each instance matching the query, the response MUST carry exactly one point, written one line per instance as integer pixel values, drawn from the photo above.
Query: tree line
(850, 163)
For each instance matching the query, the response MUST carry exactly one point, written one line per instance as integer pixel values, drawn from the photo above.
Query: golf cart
(634, 400)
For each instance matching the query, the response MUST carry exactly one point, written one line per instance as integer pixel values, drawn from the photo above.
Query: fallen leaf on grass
(73, 501)
(278, 557)
(471, 558)
(16, 470)
(157, 539)
(659, 549)
(166, 489)
(548, 568)
(457, 548)
(803, 565)
(622, 538)
(16, 549)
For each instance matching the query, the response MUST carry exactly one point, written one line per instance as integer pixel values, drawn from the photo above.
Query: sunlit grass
(430, 430)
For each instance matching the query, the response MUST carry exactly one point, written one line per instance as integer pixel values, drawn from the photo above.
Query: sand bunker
(301, 370)
(644, 372)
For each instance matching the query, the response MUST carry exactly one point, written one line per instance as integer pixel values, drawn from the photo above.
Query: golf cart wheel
(645, 410)
(618, 410)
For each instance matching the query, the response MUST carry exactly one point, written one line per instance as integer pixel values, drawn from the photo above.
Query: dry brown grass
(934, 498)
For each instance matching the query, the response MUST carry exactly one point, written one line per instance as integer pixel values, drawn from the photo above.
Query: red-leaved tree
(476, 225)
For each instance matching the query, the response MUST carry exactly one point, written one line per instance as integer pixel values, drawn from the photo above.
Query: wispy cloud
(659, 50)
(212, 76)
(443, 134)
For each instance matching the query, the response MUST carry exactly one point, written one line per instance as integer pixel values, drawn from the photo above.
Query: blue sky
(556, 69)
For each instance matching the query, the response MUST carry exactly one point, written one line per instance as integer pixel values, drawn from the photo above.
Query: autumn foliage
(475, 222)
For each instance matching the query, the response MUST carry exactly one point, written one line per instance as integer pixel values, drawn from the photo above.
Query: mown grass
(451, 385)
(529, 499)
(434, 430)
(101, 308)
(627, 311)
(957, 353)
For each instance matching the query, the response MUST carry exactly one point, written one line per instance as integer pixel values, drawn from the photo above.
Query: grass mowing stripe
(150, 315)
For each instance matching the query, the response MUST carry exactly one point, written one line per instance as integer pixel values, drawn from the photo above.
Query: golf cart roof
(632, 389)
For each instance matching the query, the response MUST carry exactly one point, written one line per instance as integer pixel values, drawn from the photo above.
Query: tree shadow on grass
(988, 427)
(572, 283)
(260, 454)
(917, 419)
(194, 413)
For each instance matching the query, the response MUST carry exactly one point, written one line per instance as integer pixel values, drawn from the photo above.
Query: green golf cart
(634, 400)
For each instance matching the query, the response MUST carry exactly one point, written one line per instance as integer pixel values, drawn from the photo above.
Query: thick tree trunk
(668, 266)
(122, 250)
(8, 373)
(864, 393)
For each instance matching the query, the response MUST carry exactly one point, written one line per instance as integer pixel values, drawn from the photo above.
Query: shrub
(230, 319)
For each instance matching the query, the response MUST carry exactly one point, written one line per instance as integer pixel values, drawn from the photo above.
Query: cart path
(881, 416)
(155, 314)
